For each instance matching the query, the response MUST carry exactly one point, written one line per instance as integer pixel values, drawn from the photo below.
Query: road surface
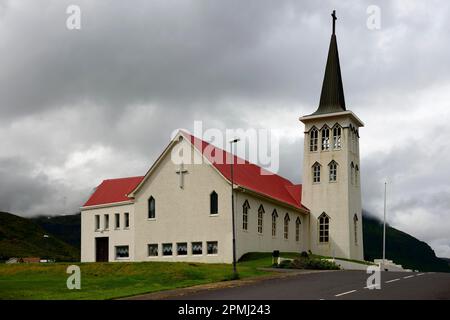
(336, 285)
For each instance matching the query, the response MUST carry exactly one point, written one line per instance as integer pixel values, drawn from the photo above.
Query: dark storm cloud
(80, 106)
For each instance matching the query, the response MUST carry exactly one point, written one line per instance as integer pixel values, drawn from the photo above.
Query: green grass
(113, 280)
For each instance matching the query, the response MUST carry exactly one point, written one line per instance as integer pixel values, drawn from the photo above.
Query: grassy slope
(20, 237)
(112, 280)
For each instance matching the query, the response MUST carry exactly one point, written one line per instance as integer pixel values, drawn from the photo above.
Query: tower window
(352, 172)
(325, 138)
(213, 203)
(313, 139)
(274, 223)
(260, 219)
(337, 137)
(297, 229)
(245, 208)
(286, 226)
(316, 172)
(151, 208)
(333, 171)
(356, 175)
(324, 227)
(355, 228)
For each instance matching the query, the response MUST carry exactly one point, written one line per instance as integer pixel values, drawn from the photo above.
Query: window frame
(213, 203)
(124, 257)
(298, 223)
(126, 220)
(148, 250)
(207, 248)
(245, 208)
(287, 219)
(116, 221)
(332, 171)
(274, 223)
(324, 220)
(314, 140)
(325, 138)
(106, 221)
(151, 208)
(337, 137)
(180, 245)
(316, 172)
(97, 222)
(193, 243)
(260, 218)
(167, 244)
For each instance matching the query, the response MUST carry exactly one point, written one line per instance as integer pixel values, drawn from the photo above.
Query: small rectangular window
(212, 247)
(182, 248)
(117, 222)
(122, 252)
(106, 221)
(97, 222)
(167, 249)
(127, 219)
(153, 250)
(197, 248)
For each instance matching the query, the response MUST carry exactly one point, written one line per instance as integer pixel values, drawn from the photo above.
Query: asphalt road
(336, 285)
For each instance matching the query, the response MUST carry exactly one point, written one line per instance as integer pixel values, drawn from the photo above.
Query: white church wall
(183, 214)
(116, 236)
(251, 240)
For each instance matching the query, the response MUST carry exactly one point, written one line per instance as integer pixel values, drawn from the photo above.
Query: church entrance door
(101, 249)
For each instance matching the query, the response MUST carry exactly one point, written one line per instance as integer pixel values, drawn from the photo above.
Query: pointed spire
(332, 96)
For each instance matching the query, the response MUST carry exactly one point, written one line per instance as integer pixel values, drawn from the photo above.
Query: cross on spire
(333, 15)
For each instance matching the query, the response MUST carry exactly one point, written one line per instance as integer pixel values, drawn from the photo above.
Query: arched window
(214, 205)
(355, 228)
(316, 172)
(245, 208)
(298, 222)
(313, 139)
(352, 172)
(333, 171)
(337, 137)
(286, 226)
(260, 218)
(151, 208)
(324, 227)
(325, 138)
(274, 223)
(356, 175)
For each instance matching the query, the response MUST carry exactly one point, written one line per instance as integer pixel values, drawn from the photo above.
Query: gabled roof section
(113, 191)
(249, 175)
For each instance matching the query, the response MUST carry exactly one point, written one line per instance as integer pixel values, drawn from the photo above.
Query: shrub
(313, 263)
(304, 254)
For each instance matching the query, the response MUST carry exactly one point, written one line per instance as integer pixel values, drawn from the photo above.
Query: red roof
(246, 174)
(249, 175)
(113, 190)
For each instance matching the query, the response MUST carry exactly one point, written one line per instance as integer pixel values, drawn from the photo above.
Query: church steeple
(332, 96)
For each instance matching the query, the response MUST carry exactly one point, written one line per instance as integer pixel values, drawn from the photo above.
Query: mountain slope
(401, 247)
(66, 227)
(21, 237)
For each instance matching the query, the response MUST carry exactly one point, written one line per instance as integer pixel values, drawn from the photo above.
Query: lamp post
(232, 204)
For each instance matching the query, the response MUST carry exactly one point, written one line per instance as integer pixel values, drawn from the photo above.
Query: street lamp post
(384, 226)
(232, 204)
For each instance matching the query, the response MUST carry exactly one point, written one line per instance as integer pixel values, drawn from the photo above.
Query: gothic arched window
(324, 228)
(298, 222)
(333, 171)
(356, 175)
(151, 208)
(245, 208)
(286, 226)
(313, 139)
(214, 203)
(355, 228)
(316, 172)
(325, 138)
(352, 172)
(274, 223)
(260, 218)
(337, 137)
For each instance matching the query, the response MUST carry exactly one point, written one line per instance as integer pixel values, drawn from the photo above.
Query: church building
(183, 212)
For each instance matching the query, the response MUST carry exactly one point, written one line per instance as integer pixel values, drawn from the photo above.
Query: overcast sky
(79, 106)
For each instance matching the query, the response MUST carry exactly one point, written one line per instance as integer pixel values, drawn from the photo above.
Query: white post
(384, 226)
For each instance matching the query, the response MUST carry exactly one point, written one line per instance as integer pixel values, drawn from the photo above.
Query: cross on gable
(334, 20)
(181, 171)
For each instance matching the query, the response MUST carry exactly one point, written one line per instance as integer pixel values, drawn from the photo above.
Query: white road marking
(341, 294)
(420, 274)
(407, 277)
(393, 280)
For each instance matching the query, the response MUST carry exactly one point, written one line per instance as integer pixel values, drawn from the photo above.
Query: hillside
(66, 228)
(401, 247)
(21, 237)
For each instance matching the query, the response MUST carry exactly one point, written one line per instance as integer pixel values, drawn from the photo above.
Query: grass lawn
(119, 279)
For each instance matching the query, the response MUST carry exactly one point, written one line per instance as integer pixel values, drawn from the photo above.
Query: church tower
(331, 168)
